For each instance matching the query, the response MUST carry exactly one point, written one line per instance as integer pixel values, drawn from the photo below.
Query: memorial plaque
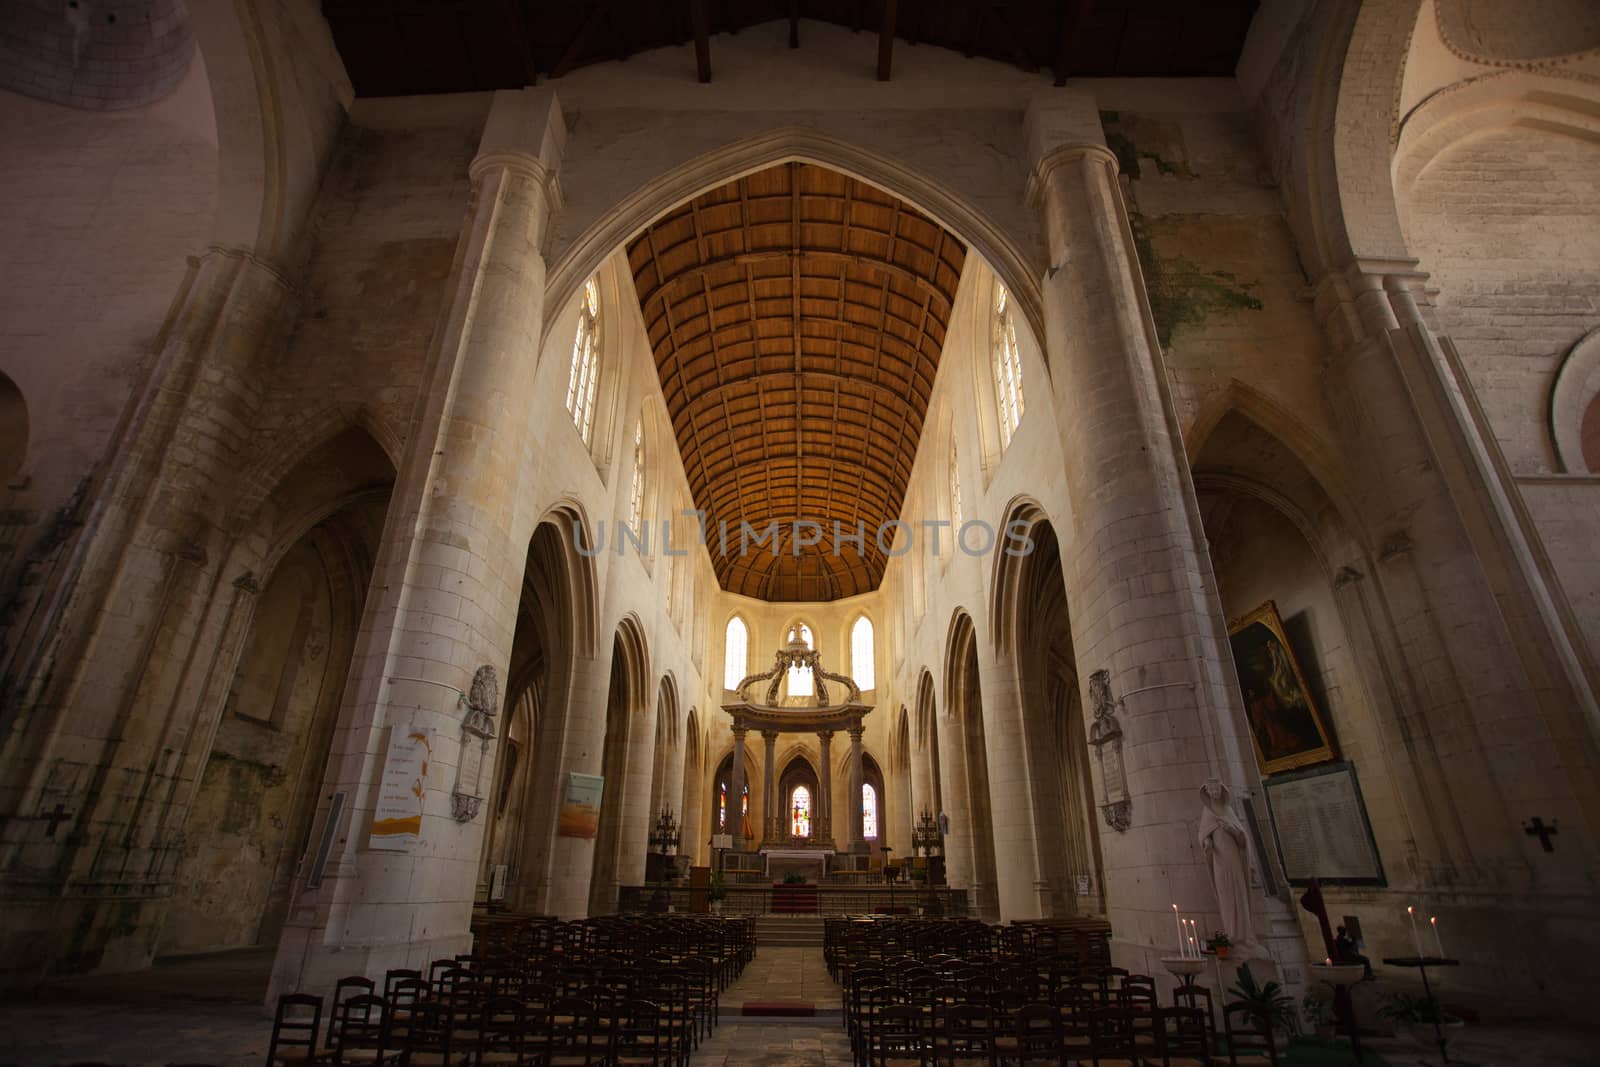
(1321, 825)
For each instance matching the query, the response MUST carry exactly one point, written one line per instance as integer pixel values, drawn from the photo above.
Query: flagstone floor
(208, 1011)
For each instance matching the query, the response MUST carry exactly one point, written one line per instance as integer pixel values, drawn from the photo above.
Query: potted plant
(717, 893)
(1315, 1012)
(1416, 1014)
(1266, 1002)
(1220, 944)
(794, 878)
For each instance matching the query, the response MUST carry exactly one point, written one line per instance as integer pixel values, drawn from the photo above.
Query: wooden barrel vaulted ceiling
(797, 316)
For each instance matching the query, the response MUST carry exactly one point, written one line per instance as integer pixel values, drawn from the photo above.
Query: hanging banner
(397, 821)
(580, 808)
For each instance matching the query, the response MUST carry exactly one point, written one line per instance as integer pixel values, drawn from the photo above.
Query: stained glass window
(861, 654)
(736, 653)
(955, 492)
(722, 806)
(636, 500)
(869, 812)
(800, 680)
(585, 373)
(800, 812)
(1007, 367)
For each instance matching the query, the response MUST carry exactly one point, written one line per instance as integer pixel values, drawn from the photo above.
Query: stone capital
(526, 135)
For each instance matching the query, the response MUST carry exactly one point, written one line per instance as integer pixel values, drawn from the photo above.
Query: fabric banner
(580, 809)
(397, 822)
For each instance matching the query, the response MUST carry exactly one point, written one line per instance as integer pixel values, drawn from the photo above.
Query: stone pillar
(736, 788)
(960, 855)
(769, 789)
(922, 798)
(445, 588)
(825, 769)
(1010, 762)
(1136, 565)
(857, 777)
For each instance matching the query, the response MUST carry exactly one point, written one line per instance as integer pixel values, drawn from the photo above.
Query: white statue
(1227, 854)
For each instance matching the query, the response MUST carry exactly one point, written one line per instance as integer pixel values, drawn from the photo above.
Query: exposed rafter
(797, 317)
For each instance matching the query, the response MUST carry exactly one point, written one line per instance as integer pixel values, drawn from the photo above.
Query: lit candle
(1416, 940)
(1178, 922)
(1433, 921)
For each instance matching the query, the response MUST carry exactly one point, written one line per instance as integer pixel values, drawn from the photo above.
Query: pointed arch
(613, 225)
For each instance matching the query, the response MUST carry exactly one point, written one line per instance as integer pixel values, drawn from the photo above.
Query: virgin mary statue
(1223, 840)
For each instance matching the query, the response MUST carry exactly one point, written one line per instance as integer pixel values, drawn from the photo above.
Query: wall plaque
(1320, 823)
(397, 821)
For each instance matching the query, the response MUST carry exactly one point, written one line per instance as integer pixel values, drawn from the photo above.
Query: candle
(1438, 946)
(1178, 922)
(1416, 940)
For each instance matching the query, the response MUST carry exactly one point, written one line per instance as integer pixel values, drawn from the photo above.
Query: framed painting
(1287, 728)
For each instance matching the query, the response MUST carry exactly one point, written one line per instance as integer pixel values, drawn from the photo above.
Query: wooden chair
(1250, 1041)
(1032, 1037)
(644, 1036)
(295, 1029)
(963, 1037)
(578, 1036)
(1112, 1039)
(361, 1035)
(503, 1035)
(430, 1038)
(902, 1036)
(1183, 1037)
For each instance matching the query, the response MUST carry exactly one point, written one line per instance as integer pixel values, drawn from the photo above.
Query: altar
(811, 863)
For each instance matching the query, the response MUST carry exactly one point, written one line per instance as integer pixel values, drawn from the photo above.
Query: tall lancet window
(1007, 366)
(861, 653)
(636, 498)
(584, 378)
(869, 812)
(800, 812)
(800, 680)
(736, 654)
(955, 491)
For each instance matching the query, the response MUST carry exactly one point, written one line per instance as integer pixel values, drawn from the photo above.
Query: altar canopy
(772, 703)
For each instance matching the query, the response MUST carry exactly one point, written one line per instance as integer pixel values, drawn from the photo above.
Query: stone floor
(783, 975)
(208, 1011)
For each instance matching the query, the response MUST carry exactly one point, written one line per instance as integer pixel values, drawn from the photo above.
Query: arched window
(955, 491)
(736, 654)
(1007, 366)
(869, 812)
(861, 653)
(722, 805)
(800, 680)
(636, 499)
(800, 812)
(584, 378)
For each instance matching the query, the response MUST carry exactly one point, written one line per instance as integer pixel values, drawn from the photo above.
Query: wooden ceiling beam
(773, 255)
(1072, 16)
(702, 39)
(886, 40)
(575, 47)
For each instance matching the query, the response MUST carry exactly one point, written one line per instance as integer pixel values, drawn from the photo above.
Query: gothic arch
(970, 763)
(661, 192)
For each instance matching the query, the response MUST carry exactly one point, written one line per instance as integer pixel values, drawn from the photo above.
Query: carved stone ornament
(797, 654)
(479, 704)
(1105, 734)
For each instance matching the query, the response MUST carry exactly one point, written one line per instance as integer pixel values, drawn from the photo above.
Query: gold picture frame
(1286, 726)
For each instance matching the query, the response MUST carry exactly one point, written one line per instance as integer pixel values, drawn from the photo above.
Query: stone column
(1136, 565)
(1011, 761)
(922, 798)
(769, 790)
(857, 776)
(825, 787)
(445, 588)
(736, 788)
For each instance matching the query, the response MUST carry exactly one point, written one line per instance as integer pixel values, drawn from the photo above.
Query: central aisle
(783, 980)
(784, 1011)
